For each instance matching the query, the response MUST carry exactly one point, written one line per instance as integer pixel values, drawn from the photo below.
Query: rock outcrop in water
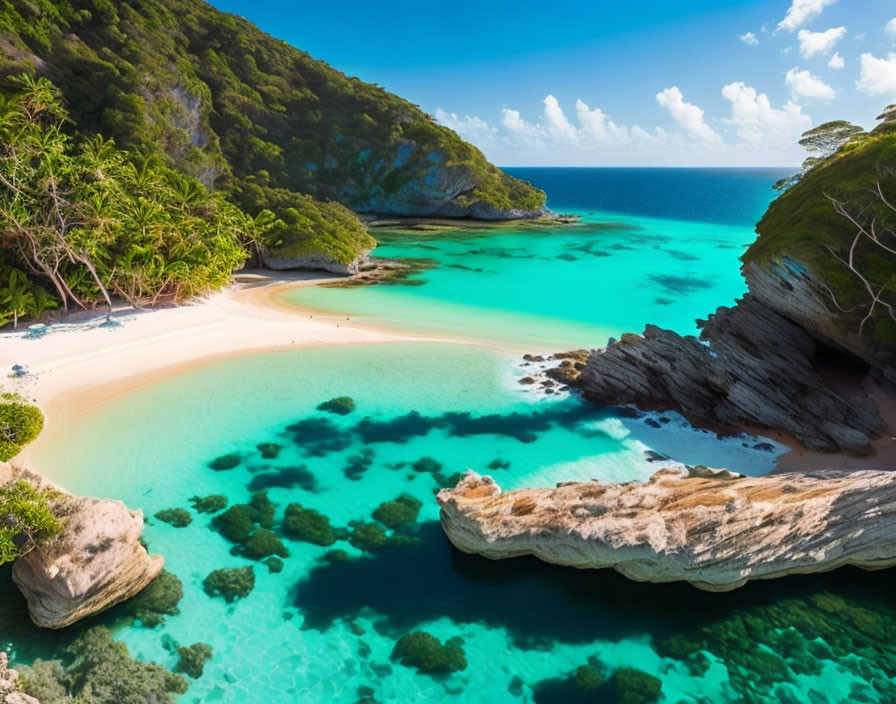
(96, 561)
(819, 318)
(712, 528)
(9, 685)
(751, 365)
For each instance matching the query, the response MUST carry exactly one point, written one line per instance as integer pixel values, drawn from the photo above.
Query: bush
(396, 513)
(20, 423)
(306, 524)
(424, 651)
(177, 517)
(224, 462)
(97, 669)
(158, 599)
(636, 687)
(193, 658)
(230, 583)
(235, 524)
(341, 405)
(368, 536)
(264, 543)
(26, 519)
(208, 504)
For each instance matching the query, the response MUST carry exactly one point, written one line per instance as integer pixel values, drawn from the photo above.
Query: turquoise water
(653, 245)
(317, 632)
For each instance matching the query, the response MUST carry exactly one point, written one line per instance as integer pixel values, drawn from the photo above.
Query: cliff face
(95, 562)
(820, 308)
(711, 528)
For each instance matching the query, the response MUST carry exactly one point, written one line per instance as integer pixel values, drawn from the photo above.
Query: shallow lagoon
(318, 632)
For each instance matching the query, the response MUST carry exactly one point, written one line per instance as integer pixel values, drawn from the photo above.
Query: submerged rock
(96, 561)
(716, 531)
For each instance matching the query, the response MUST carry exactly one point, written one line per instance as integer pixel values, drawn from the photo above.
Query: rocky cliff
(96, 561)
(819, 318)
(9, 685)
(711, 528)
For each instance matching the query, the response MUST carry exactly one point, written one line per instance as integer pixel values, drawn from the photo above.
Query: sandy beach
(80, 362)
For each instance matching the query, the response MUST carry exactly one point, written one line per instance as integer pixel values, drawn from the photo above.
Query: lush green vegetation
(89, 220)
(158, 600)
(20, 423)
(306, 524)
(190, 100)
(97, 669)
(26, 519)
(839, 223)
(230, 583)
(177, 517)
(193, 658)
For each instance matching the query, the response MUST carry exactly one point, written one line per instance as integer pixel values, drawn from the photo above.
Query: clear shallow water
(653, 245)
(317, 632)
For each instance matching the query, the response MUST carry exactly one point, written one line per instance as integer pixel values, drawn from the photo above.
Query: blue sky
(645, 82)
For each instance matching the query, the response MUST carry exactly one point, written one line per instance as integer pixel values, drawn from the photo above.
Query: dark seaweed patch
(319, 436)
(680, 285)
(284, 478)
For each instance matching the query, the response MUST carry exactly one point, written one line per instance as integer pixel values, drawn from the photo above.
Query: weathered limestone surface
(9, 685)
(280, 262)
(751, 365)
(712, 528)
(95, 562)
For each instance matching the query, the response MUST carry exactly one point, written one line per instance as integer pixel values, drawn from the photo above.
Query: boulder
(9, 685)
(714, 529)
(95, 562)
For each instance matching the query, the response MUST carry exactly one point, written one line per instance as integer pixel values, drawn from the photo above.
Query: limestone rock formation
(712, 528)
(280, 261)
(751, 365)
(95, 562)
(9, 685)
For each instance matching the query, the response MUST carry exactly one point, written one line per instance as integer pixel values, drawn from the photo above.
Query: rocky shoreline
(712, 528)
(95, 562)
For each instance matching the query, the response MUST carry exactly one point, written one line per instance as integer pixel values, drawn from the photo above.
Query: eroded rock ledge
(712, 528)
(95, 562)
(9, 685)
(751, 366)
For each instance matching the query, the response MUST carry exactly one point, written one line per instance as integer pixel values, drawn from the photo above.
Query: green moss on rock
(264, 543)
(235, 524)
(341, 405)
(209, 504)
(225, 462)
(368, 536)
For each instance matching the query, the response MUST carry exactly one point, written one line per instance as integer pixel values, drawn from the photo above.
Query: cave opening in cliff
(841, 370)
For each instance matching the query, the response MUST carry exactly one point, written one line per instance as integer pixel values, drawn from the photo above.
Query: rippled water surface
(325, 627)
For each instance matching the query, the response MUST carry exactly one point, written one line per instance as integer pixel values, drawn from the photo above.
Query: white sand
(72, 369)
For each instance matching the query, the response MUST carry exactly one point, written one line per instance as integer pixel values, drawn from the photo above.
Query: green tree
(25, 519)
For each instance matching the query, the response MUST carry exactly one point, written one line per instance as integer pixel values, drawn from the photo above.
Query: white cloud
(877, 76)
(801, 11)
(749, 38)
(757, 123)
(812, 43)
(687, 115)
(471, 128)
(556, 120)
(836, 61)
(803, 84)
(513, 121)
(890, 27)
(599, 127)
